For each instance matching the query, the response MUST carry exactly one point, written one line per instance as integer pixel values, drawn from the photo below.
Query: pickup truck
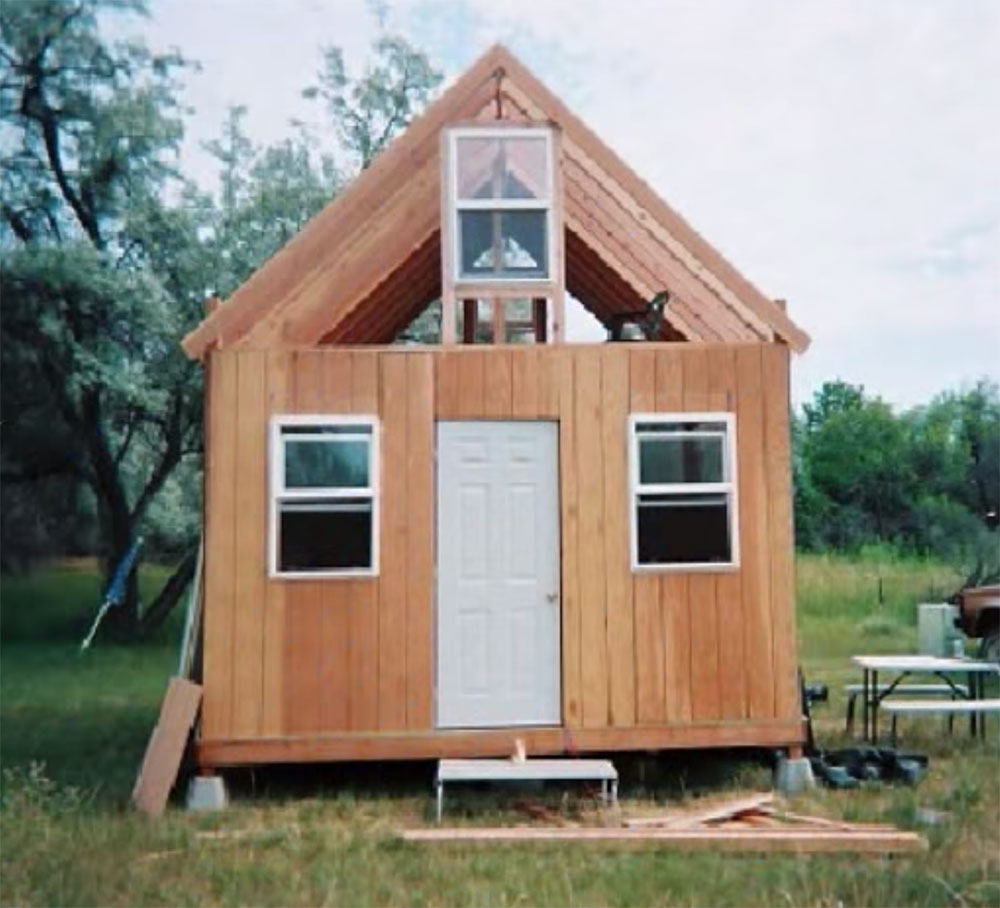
(979, 617)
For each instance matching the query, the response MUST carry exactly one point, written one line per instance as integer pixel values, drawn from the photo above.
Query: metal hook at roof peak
(498, 76)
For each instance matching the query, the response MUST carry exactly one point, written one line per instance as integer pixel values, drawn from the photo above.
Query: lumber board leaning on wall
(166, 746)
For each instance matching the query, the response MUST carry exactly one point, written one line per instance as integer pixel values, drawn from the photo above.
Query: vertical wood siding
(305, 657)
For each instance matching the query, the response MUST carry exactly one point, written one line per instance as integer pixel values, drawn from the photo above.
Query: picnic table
(901, 667)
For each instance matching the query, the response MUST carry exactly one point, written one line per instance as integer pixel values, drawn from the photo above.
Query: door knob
(552, 597)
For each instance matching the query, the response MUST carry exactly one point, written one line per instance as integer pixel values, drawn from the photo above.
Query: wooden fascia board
(267, 287)
(526, 88)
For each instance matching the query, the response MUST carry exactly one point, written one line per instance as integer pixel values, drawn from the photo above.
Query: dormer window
(501, 190)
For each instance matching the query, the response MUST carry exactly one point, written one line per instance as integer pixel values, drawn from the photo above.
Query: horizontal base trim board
(492, 742)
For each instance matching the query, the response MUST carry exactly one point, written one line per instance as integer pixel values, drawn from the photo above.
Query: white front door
(497, 574)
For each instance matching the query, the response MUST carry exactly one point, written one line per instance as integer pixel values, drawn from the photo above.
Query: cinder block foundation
(207, 793)
(793, 775)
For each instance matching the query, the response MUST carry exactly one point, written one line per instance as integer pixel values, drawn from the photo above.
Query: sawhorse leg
(440, 799)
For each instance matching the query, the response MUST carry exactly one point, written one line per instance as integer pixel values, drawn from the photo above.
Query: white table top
(919, 663)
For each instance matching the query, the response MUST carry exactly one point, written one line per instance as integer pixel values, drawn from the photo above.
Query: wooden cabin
(418, 550)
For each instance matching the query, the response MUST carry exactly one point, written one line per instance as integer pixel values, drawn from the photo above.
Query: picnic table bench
(854, 691)
(949, 708)
(538, 770)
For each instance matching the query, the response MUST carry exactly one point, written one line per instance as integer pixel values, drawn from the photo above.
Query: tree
(926, 480)
(101, 276)
(369, 111)
(854, 450)
(266, 195)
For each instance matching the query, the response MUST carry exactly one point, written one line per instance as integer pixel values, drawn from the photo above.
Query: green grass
(73, 731)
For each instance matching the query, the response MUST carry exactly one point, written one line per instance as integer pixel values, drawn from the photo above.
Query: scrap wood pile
(757, 823)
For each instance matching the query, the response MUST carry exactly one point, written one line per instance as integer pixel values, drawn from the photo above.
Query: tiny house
(429, 549)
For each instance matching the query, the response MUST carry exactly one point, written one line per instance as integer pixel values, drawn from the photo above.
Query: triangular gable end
(369, 261)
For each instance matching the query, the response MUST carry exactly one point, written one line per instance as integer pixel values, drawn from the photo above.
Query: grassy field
(73, 729)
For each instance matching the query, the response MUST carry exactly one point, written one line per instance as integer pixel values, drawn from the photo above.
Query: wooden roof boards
(364, 265)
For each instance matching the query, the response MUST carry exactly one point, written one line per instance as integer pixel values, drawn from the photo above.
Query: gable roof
(369, 261)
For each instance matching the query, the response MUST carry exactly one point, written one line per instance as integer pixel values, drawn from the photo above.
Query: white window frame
(455, 205)
(729, 488)
(278, 492)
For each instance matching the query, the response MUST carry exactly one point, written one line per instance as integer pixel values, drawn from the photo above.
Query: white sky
(843, 155)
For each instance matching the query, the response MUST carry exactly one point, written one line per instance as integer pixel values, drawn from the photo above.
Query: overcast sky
(843, 155)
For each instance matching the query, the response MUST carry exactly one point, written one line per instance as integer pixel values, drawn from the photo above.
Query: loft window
(501, 191)
(324, 503)
(682, 470)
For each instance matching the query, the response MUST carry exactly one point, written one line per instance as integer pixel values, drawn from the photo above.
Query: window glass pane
(324, 464)
(669, 459)
(509, 244)
(325, 534)
(503, 168)
(683, 529)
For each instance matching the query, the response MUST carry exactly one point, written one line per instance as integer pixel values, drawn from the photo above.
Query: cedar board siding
(307, 658)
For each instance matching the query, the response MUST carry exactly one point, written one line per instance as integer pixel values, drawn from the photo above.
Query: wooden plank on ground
(753, 840)
(166, 746)
(593, 612)
(572, 679)
(700, 813)
(420, 555)
(618, 575)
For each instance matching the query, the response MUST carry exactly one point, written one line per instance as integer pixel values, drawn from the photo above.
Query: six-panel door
(498, 650)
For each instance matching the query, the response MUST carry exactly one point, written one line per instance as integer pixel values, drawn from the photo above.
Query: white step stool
(528, 771)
